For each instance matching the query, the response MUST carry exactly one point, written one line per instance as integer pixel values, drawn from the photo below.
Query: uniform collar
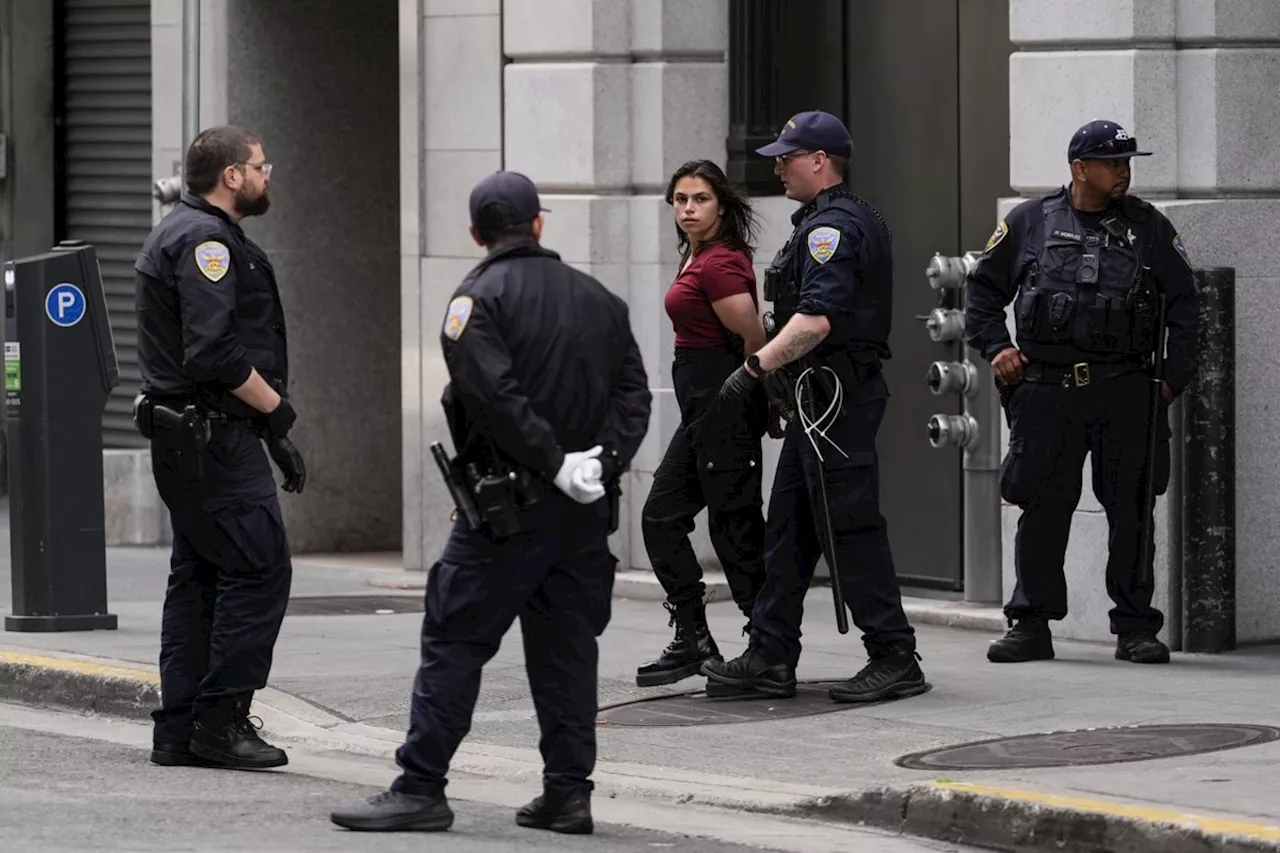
(521, 248)
(200, 203)
(807, 210)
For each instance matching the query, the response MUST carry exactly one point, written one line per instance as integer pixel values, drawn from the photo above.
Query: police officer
(831, 288)
(211, 348)
(1077, 382)
(548, 402)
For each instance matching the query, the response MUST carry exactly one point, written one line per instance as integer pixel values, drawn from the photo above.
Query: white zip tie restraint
(827, 419)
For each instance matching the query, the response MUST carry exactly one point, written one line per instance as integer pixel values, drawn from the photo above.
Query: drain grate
(1091, 746)
(353, 605)
(696, 708)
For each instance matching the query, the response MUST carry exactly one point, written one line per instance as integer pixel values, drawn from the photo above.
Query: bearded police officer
(831, 288)
(548, 402)
(211, 347)
(1082, 267)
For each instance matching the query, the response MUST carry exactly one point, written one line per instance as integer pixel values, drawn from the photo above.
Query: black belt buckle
(1080, 373)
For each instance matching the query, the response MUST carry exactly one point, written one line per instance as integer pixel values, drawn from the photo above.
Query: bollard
(60, 364)
(1209, 473)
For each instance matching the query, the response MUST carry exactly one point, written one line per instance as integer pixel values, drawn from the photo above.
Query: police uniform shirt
(542, 359)
(208, 307)
(1015, 245)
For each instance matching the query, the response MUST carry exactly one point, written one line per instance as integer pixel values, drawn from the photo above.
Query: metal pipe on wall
(190, 73)
(976, 431)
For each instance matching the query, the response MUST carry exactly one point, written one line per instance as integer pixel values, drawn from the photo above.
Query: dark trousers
(229, 580)
(1052, 429)
(792, 544)
(557, 580)
(720, 469)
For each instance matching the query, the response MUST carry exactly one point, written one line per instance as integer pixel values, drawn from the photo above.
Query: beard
(252, 206)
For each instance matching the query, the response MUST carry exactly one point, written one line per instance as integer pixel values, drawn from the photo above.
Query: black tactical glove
(738, 387)
(289, 461)
(279, 422)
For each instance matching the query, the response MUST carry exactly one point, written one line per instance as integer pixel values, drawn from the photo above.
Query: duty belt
(1077, 375)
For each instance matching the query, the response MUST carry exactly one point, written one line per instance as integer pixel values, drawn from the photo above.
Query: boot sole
(575, 828)
(1126, 657)
(999, 658)
(763, 688)
(218, 759)
(671, 676)
(395, 824)
(893, 691)
(177, 759)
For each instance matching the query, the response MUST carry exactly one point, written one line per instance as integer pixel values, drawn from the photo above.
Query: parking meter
(60, 365)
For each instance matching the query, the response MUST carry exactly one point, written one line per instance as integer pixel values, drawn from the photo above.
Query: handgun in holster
(192, 431)
(502, 499)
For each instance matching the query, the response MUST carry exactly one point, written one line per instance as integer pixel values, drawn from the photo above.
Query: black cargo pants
(719, 469)
(229, 580)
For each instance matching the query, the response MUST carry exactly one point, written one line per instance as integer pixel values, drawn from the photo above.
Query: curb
(79, 683)
(1020, 820)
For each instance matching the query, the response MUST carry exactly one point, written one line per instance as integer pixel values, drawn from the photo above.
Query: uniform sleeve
(630, 403)
(206, 282)
(1172, 266)
(481, 375)
(723, 277)
(828, 260)
(991, 286)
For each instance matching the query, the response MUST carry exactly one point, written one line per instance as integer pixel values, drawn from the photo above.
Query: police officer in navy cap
(831, 287)
(547, 403)
(1077, 382)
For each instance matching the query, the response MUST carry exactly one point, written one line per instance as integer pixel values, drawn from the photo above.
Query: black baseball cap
(1103, 140)
(811, 131)
(504, 199)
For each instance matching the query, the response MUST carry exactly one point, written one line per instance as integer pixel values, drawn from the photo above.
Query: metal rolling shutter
(106, 161)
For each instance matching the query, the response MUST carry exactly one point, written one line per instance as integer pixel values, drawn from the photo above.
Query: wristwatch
(753, 364)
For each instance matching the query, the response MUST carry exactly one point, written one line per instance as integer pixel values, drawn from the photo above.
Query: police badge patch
(823, 242)
(1181, 249)
(213, 260)
(456, 320)
(996, 236)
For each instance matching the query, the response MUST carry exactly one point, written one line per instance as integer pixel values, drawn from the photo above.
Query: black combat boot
(692, 645)
(566, 810)
(175, 754)
(1141, 646)
(755, 671)
(1027, 640)
(228, 737)
(890, 674)
(397, 811)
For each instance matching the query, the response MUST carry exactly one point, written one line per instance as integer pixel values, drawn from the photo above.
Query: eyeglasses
(783, 159)
(264, 168)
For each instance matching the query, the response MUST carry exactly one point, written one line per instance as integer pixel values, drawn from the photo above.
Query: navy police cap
(504, 199)
(811, 131)
(1103, 140)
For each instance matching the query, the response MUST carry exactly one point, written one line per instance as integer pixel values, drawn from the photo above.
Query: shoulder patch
(1180, 248)
(213, 259)
(458, 315)
(1002, 230)
(823, 242)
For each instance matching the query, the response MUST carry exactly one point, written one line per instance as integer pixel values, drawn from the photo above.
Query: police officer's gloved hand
(738, 387)
(584, 483)
(280, 420)
(585, 492)
(289, 461)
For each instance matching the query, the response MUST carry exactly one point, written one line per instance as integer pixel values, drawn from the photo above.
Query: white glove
(583, 486)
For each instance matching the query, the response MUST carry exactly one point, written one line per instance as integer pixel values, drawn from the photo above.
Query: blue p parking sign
(64, 305)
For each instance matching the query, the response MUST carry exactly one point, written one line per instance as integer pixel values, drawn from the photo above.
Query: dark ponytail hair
(738, 225)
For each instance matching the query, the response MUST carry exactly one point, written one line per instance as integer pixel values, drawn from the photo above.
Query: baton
(1145, 564)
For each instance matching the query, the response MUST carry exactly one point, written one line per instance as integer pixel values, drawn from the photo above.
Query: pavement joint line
(1215, 825)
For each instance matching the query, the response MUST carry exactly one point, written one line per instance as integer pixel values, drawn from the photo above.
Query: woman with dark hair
(715, 312)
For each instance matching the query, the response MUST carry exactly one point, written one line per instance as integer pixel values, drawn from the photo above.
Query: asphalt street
(79, 783)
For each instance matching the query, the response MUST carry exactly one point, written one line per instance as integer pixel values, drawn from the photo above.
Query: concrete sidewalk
(344, 681)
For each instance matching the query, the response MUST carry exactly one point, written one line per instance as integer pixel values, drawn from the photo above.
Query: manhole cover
(696, 708)
(352, 605)
(1090, 746)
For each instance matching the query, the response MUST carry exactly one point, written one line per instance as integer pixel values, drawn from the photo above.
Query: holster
(186, 431)
(613, 494)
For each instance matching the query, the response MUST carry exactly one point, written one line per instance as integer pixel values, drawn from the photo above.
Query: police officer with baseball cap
(547, 403)
(831, 287)
(1074, 263)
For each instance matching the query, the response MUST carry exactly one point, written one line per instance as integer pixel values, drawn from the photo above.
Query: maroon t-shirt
(716, 272)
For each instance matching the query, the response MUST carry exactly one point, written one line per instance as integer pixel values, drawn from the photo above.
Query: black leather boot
(566, 810)
(228, 737)
(1027, 640)
(1141, 646)
(692, 646)
(397, 811)
(755, 671)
